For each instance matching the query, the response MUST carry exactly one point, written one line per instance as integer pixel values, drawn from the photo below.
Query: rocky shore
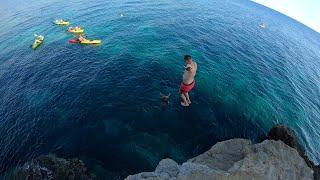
(50, 167)
(278, 157)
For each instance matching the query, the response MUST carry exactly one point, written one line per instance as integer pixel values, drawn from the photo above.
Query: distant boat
(262, 25)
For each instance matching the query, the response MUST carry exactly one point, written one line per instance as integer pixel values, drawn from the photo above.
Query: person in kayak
(188, 81)
(39, 37)
(81, 38)
(76, 28)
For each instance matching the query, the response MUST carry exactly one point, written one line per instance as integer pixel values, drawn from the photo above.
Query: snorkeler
(188, 80)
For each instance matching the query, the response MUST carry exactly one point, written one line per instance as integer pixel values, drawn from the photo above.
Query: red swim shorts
(186, 88)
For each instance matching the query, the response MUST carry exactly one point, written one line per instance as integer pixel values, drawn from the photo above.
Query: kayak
(75, 30)
(91, 42)
(77, 41)
(37, 42)
(74, 41)
(62, 22)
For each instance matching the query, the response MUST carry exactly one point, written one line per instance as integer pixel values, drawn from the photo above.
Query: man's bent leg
(184, 100)
(188, 98)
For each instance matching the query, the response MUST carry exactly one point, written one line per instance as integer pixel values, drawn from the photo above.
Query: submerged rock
(286, 135)
(235, 159)
(51, 167)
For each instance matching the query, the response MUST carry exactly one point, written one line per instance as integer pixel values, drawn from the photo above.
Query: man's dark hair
(187, 57)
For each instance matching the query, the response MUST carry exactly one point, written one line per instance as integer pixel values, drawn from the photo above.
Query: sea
(102, 104)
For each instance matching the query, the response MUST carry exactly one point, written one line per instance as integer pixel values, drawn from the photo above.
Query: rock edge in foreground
(279, 157)
(51, 167)
(235, 159)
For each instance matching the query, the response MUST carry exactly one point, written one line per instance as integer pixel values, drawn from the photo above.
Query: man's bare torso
(188, 76)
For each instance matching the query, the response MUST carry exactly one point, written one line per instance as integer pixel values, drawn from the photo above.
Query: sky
(304, 11)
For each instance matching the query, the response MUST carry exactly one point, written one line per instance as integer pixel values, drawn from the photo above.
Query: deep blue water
(101, 103)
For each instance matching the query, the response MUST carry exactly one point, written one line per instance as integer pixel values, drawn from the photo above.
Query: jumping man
(188, 80)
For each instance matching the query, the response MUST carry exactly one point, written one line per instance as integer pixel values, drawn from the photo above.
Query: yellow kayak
(37, 42)
(90, 42)
(61, 22)
(75, 30)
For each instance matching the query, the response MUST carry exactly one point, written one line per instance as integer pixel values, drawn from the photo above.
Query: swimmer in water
(262, 25)
(165, 98)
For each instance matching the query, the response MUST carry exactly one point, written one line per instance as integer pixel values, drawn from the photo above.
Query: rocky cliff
(235, 159)
(279, 157)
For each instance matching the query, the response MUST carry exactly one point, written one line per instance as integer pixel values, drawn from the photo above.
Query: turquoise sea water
(101, 104)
